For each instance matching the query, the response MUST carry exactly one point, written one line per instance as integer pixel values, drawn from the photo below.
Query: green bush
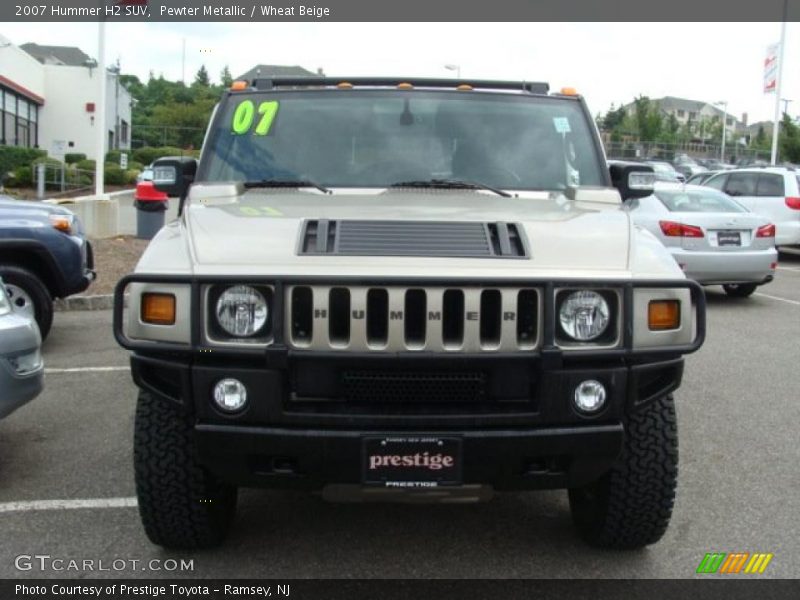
(21, 177)
(130, 176)
(85, 165)
(12, 157)
(148, 154)
(114, 175)
(136, 166)
(74, 157)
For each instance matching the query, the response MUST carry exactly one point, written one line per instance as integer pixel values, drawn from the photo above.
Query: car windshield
(377, 138)
(698, 201)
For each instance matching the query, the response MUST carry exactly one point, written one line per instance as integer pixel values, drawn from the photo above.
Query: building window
(18, 120)
(123, 133)
(681, 113)
(729, 121)
(693, 115)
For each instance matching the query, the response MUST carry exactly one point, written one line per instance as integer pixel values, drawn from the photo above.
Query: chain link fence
(667, 151)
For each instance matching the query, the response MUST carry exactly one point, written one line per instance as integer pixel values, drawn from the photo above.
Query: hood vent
(413, 238)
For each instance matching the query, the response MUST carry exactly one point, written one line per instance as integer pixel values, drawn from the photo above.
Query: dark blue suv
(44, 254)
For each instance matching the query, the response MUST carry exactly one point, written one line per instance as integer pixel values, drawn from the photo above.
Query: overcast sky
(607, 62)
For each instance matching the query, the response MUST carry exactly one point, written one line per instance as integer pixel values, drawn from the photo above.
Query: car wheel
(631, 505)
(181, 505)
(739, 290)
(29, 296)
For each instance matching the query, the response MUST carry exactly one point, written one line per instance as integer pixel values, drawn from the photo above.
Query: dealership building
(48, 97)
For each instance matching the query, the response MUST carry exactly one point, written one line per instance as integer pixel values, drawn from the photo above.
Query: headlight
(584, 315)
(242, 311)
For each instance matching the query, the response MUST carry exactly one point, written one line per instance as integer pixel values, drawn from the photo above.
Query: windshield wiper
(453, 184)
(285, 183)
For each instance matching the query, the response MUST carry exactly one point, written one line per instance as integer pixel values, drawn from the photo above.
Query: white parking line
(67, 504)
(778, 298)
(86, 370)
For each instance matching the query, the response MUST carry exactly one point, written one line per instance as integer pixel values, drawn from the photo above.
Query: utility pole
(183, 62)
(100, 111)
(778, 84)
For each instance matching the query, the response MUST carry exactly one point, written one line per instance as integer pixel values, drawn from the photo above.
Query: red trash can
(151, 207)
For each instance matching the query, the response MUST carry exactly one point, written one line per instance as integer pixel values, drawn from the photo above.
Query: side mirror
(632, 180)
(173, 174)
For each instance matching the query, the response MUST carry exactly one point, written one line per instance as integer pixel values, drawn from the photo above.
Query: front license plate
(412, 461)
(729, 238)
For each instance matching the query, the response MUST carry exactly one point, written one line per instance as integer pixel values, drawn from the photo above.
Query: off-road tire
(181, 505)
(631, 505)
(38, 292)
(739, 290)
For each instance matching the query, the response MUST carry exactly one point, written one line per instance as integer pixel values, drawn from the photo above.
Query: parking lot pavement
(739, 489)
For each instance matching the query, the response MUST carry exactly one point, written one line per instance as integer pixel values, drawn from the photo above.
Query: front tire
(29, 295)
(181, 505)
(631, 505)
(739, 290)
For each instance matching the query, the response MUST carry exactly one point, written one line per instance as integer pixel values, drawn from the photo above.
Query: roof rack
(531, 87)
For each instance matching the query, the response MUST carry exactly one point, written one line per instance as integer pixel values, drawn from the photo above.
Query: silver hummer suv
(405, 287)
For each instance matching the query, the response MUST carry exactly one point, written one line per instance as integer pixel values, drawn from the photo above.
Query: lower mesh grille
(412, 387)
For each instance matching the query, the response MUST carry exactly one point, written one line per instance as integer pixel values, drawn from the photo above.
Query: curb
(98, 302)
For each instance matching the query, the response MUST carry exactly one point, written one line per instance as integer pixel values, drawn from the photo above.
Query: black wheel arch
(35, 257)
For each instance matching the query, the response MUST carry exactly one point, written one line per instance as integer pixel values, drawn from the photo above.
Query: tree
(648, 118)
(789, 140)
(225, 77)
(201, 78)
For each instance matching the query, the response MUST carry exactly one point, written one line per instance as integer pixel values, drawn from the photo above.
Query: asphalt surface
(739, 483)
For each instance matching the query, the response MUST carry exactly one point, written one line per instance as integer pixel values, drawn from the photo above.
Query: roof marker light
(568, 91)
(239, 85)
(344, 85)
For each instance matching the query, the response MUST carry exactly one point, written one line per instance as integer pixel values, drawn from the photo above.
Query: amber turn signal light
(663, 315)
(158, 309)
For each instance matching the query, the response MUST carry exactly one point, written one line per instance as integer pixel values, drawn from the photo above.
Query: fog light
(590, 396)
(230, 395)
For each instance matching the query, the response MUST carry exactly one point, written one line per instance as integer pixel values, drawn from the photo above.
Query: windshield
(374, 138)
(698, 201)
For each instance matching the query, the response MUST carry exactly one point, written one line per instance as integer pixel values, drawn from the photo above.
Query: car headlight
(584, 315)
(241, 311)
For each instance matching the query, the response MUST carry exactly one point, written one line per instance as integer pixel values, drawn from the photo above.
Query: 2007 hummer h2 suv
(405, 286)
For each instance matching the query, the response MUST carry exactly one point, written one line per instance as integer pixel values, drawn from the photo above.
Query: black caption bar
(401, 10)
(389, 589)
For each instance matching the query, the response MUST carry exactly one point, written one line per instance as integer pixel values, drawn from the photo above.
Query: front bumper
(18, 337)
(717, 267)
(525, 434)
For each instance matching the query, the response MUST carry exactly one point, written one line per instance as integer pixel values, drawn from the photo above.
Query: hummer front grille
(425, 319)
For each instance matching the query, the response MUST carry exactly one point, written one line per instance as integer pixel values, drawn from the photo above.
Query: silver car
(714, 239)
(21, 367)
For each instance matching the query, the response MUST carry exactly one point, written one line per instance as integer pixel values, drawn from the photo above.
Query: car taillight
(673, 229)
(766, 231)
(793, 202)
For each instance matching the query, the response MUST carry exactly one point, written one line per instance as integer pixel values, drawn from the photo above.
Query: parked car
(21, 367)
(700, 177)
(665, 171)
(714, 239)
(44, 254)
(687, 166)
(773, 192)
(146, 174)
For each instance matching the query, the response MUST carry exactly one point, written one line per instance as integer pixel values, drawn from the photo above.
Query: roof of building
(269, 71)
(71, 56)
